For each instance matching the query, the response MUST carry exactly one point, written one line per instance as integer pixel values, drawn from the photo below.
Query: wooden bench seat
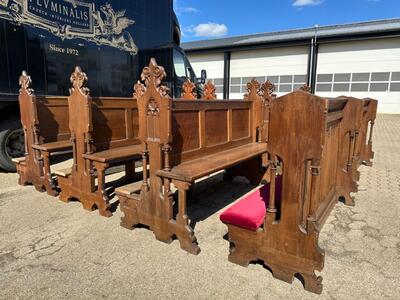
(44, 120)
(63, 172)
(129, 189)
(58, 146)
(194, 169)
(116, 154)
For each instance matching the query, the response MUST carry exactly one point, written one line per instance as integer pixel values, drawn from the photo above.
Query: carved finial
(25, 82)
(305, 88)
(163, 90)
(79, 80)
(252, 88)
(209, 91)
(139, 90)
(267, 90)
(189, 90)
(154, 75)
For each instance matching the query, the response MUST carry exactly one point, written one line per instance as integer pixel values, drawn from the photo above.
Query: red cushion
(250, 212)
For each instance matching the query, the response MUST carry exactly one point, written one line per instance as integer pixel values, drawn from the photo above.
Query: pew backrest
(200, 128)
(99, 124)
(115, 122)
(207, 126)
(53, 116)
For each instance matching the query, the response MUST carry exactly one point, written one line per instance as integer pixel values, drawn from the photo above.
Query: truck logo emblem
(69, 19)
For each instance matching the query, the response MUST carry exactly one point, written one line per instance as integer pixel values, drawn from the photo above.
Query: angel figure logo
(111, 29)
(69, 19)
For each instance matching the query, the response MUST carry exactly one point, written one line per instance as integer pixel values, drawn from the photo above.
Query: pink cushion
(250, 212)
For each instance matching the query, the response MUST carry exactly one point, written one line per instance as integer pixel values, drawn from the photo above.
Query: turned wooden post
(145, 183)
(271, 203)
(351, 150)
(370, 133)
(166, 150)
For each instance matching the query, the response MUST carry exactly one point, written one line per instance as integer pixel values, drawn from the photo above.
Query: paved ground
(49, 249)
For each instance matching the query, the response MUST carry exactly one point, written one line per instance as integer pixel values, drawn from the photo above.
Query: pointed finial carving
(253, 88)
(209, 91)
(25, 82)
(189, 90)
(305, 88)
(267, 90)
(139, 90)
(79, 80)
(154, 75)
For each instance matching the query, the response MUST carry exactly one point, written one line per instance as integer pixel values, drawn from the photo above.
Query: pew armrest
(116, 154)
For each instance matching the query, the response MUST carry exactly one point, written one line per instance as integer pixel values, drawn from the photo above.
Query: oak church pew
(104, 134)
(311, 140)
(45, 124)
(185, 140)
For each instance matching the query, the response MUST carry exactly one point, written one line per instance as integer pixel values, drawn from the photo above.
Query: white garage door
(213, 63)
(362, 69)
(285, 67)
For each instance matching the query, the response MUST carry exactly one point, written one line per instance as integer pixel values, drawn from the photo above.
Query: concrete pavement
(49, 249)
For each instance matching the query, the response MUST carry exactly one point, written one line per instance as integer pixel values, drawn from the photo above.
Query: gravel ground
(49, 249)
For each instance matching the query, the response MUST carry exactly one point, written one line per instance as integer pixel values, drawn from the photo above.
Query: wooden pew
(104, 134)
(311, 141)
(185, 140)
(349, 144)
(45, 124)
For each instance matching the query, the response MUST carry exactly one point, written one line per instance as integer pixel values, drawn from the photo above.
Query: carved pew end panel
(315, 174)
(260, 246)
(30, 168)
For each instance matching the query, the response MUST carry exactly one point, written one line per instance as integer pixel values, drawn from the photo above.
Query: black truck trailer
(111, 40)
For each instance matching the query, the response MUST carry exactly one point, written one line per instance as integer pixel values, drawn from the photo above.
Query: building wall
(284, 67)
(369, 68)
(213, 63)
(362, 69)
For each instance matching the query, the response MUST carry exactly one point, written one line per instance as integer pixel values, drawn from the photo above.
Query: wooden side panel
(53, 119)
(329, 166)
(185, 131)
(109, 126)
(115, 122)
(240, 124)
(205, 127)
(216, 132)
(135, 122)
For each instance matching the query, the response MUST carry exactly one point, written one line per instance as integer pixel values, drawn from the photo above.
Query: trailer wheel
(11, 143)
